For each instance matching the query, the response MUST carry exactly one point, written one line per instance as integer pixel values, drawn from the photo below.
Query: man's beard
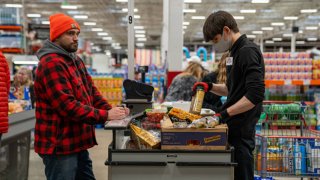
(71, 48)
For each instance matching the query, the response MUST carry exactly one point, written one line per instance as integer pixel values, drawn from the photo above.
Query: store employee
(244, 88)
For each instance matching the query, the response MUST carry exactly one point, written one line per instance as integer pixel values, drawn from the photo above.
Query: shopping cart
(286, 146)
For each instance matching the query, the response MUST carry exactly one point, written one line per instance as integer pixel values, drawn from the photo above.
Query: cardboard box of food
(194, 139)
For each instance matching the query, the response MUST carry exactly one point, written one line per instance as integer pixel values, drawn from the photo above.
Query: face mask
(223, 45)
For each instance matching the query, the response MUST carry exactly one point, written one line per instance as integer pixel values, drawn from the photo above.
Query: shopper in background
(244, 88)
(4, 93)
(23, 80)
(181, 86)
(68, 105)
(213, 101)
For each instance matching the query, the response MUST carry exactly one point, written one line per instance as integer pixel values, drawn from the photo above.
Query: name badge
(229, 61)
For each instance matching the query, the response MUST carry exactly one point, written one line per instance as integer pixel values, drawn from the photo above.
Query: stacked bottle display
(110, 86)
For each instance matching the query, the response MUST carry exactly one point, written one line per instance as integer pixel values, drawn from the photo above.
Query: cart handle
(293, 137)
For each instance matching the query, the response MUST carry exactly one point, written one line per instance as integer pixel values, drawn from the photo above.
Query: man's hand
(127, 111)
(117, 113)
(207, 86)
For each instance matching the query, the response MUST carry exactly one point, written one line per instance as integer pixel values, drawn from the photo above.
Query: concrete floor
(98, 155)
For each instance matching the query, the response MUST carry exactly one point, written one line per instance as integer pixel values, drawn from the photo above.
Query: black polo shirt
(245, 77)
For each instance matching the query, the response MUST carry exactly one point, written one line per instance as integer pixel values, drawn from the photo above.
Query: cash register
(138, 96)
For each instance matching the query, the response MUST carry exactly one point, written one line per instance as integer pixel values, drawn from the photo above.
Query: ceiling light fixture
(260, 1)
(142, 39)
(96, 29)
(140, 44)
(102, 34)
(126, 10)
(269, 42)
(238, 17)
(68, 7)
(198, 17)
(33, 15)
(290, 18)
(115, 44)
(186, 23)
(140, 31)
(311, 28)
(251, 36)
(80, 17)
(192, 1)
(14, 5)
(25, 62)
(300, 42)
(312, 39)
(277, 39)
(138, 27)
(257, 32)
(287, 35)
(248, 11)
(107, 38)
(277, 24)
(267, 28)
(140, 36)
(45, 22)
(189, 10)
(300, 31)
(185, 27)
(121, 0)
(309, 10)
(137, 16)
(90, 23)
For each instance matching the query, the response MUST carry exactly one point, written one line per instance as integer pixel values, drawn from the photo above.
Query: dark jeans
(0, 138)
(243, 146)
(77, 166)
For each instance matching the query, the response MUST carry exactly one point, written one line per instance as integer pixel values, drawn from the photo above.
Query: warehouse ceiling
(273, 19)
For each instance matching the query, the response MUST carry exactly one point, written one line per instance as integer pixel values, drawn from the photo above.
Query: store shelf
(292, 82)
(11, 28)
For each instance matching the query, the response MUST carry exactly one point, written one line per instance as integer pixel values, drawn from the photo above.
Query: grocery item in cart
(299, 158)
(144, 137)
(180, 124)
(288, 158)
(205, 122)
(199, 123)
(166, 122)
(155, 115)
(183, 115)
(197, 100)
(212, 121)
(274, 158)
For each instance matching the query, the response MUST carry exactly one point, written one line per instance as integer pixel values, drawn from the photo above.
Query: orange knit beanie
(60, 23)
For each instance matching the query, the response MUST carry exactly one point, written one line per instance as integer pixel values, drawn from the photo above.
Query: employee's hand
(207, 86)
(222, 116)
(117, 113)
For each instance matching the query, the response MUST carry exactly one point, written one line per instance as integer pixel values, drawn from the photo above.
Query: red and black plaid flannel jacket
(67, 106)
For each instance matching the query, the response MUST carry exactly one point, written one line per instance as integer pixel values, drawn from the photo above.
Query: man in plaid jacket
(68, 105)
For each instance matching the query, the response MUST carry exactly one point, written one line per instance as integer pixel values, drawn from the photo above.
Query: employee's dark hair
(215, 22)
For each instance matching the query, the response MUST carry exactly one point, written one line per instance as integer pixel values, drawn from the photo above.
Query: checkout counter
(125, 162)
(15, 146)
